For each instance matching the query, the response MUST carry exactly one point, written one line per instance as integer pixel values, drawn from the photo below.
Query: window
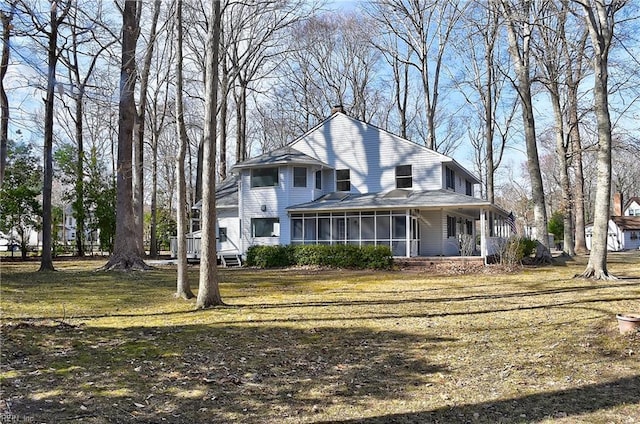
(343, 180)
(451, 226)
(264, 177)
(403, 176)
(450, 178)
(469, 225)
(222, 234)
(318, 180)
(469, 188)
(265, 227)
(299, 177)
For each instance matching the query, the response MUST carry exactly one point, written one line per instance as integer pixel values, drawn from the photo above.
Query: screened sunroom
(397, 229)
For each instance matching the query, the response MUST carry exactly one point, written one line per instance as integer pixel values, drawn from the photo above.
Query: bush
(336, 256)
(270, 256)
(515, 249)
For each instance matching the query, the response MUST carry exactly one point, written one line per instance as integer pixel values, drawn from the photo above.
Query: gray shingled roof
(390, 200)
(282, 156)
(226, 193)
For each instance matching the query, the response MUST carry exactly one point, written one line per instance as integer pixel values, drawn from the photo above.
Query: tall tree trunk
(126, 252)
(4, 100)
(153, 224)
(550, 56)
(46, 263)
(241, 122)
(208, 290)
(199, 172)
(183, 289)
(600, 21)
(138, 150)
(576, 147)
(222, 124)
(78, 204)
(520, 52)
(565, 186)
(489, 114)
(578, 184)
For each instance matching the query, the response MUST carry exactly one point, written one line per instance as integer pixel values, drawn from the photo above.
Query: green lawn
(302, 346)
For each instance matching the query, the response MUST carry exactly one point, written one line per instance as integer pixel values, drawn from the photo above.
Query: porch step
(231, 261)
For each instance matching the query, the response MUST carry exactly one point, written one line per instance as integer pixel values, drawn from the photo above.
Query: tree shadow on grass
(527, 409)
(192, 374)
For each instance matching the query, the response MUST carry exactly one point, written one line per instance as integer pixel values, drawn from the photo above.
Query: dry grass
(302, 346)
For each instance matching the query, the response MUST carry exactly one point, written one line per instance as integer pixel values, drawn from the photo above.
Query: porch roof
(397, 199)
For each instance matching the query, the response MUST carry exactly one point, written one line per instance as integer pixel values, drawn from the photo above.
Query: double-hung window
(404, 178)
(343, 180)
(451, 226)
(450, 178)
(299, 177)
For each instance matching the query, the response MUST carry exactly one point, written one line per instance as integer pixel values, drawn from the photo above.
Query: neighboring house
(633, 207)
(67, 231)
(67, 228)
(346, 181)
(624, 225)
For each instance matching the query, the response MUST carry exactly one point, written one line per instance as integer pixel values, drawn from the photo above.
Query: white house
(624, 225)
(346, 181)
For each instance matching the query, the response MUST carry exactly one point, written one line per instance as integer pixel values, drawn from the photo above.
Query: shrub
(336, 256)
(515, 248)
(377, 257)
(270, 256)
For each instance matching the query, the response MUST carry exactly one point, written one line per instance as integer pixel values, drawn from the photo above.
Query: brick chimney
(618, 207)
(337, 108)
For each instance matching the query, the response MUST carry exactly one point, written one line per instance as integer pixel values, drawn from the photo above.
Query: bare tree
(254, 33)
(139, 127)
(126, 252)
(332, 61)
(5, 18)
(183, 288)
(46, 263)
(81, 63)
(549, 52)
(158, 121)
(574, 62)
(600, 20)
(481, 60)
(208, 290)
(426, 27)
(520, 17)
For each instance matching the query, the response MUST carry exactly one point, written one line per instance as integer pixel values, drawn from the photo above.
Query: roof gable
(631, 201)
(381, 146)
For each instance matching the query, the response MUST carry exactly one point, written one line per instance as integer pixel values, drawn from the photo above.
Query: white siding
(275, 201)
(616, 239)
(633, 207)
(431, 233)
(371, 155)
(228, 218)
